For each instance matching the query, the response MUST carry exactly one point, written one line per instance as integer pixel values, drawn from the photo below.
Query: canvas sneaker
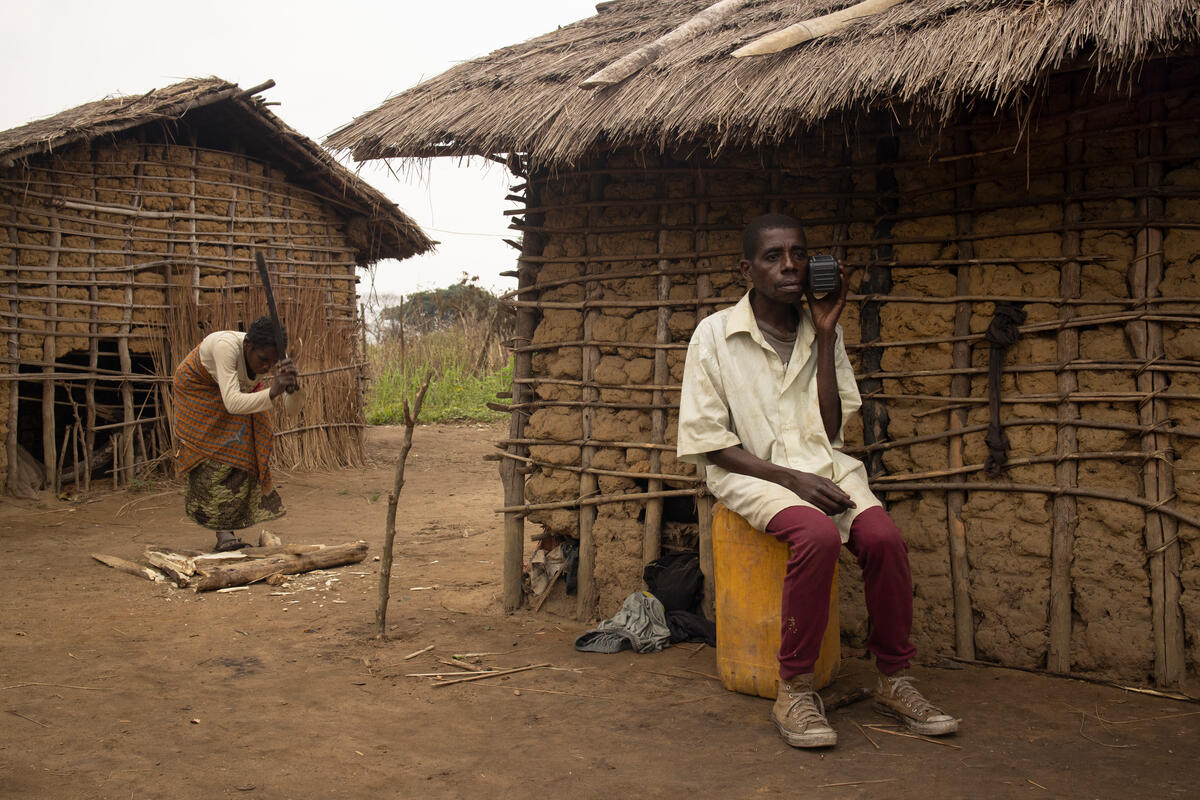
(897, 697)
(799, 714)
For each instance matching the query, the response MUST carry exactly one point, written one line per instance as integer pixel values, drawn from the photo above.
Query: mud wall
(942, 228)
(120, 256)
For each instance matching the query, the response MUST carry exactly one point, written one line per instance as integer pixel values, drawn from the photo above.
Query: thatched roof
(927, 58)
(236, 114)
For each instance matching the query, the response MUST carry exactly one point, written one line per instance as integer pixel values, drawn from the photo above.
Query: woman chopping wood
(223, 421)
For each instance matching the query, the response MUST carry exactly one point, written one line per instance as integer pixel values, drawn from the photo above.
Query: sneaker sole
(924, 728)
(806, 740)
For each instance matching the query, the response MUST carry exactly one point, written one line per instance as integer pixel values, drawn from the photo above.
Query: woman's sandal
(228, 540)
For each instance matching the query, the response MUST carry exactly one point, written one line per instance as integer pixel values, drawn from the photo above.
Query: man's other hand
(821, 492)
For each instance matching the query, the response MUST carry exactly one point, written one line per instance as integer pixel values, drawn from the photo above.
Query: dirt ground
(113, 687)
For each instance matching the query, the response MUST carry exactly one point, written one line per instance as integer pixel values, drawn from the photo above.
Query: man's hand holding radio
(826, 291)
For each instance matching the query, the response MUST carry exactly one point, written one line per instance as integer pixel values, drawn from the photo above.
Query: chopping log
(175, 566)
(131, 567)
(251, 570)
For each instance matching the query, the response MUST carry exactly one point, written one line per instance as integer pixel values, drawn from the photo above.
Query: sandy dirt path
(112, 687)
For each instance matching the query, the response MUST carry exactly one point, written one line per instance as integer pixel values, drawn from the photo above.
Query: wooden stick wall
(94, 240)
(1132, 207)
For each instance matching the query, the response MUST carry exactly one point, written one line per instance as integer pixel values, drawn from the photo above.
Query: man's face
(261, 359)
(779, 269)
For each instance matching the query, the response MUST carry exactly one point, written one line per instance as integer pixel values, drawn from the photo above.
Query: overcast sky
(330, 61)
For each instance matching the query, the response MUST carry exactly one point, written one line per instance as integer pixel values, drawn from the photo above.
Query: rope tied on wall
(1002, 333)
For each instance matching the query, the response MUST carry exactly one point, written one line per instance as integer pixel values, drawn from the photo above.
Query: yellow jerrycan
(749, 566)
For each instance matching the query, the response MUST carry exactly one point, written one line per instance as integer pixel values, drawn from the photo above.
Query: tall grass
(458, 392)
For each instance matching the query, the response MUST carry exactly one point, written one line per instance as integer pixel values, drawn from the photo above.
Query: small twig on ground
(459, 664)
(882, 729)
(422, 650)
(698, 672)
(135, 501)
(1038, 785)
(59, 685)
(854, 783)
(1083, 721)
(444, 673)
(491, 674)
(31, 719)
(698, 699)
(863, 731)
(541, 691)
(1187, 698)
(1143, 719)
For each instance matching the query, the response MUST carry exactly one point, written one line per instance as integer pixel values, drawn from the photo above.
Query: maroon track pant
(813, 546)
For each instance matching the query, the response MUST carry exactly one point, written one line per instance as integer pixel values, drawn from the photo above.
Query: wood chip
(422, 650)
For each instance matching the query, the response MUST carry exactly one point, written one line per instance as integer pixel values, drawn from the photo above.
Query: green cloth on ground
(224, 497)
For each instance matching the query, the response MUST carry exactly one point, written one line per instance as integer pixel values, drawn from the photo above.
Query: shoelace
(906, 693)
(808, 713)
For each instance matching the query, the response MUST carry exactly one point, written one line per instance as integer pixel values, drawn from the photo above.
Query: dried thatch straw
(928, 58)
(378, 230)
(328, 433)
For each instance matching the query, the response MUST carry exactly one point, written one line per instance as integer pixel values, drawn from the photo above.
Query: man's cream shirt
(736, 391)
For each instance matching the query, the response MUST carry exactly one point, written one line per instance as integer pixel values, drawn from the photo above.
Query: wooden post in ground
(960, 386)
(385, 562)
(511, 471)
(653, 528)
(1146, 337)
(703, 309)
(877, 283)
(588, 595)
(1066, 471)
(50, 357)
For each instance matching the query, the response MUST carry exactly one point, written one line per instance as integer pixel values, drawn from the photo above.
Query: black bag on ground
(675, 579)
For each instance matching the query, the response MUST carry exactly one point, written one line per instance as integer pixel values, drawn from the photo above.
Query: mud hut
(1033, 163)
(127, 233)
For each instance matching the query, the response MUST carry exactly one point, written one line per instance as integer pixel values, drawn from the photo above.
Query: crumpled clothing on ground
(641, 624)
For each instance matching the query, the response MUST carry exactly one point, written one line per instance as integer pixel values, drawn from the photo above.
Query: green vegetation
(458, 339)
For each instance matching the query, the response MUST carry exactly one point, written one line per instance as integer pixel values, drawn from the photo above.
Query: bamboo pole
(126, 362)
(878, 280)
(1065, 513)
(588, 485)
(616, 473)
(599, 500)
(960, 385)
(1038, 488)
(514, 478)
(630, 63)
(14, 398)
(1162, 543)
(89, 395)
(49, 356)
(704, 502)
(813, 28)
(653, 527)
(1117, 224)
